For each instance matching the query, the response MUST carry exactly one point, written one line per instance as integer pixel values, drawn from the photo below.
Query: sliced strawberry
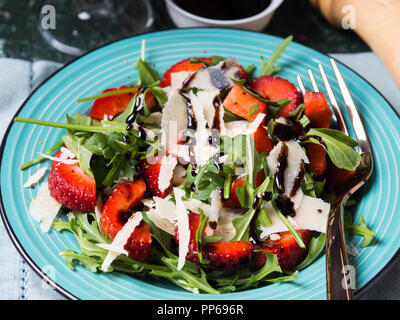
(286, 248)
(123, 199)
(276, 88)
(184, 65)
(227, 255)
(151, 172)
(239, 102)
(71, 186)
(139, 243)
(233, 200)
(317, 109)
(243, 72)
(220, 254)
(193, 254)
(119, 207)
(114, 105)
(262, 141)
(317, 156)
(337, 178)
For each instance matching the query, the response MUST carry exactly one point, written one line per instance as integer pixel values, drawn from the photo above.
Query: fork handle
(337, 287)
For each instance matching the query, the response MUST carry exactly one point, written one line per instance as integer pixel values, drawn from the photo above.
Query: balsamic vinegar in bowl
(224, 9)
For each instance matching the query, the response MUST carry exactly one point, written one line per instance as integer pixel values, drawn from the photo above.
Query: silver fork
(337, 284)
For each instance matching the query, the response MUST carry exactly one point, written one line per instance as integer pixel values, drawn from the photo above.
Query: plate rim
(21, 250)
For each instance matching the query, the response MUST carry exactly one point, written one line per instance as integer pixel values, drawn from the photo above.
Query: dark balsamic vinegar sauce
(224, 9)
(256, 206)
(137, 107)
(286, 132)
(281, 167)
(298, 180)
(284, 204)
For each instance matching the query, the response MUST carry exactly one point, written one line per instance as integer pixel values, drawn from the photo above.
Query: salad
(215, 176)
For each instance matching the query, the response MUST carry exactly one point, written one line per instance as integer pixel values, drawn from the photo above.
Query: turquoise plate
(112, 66)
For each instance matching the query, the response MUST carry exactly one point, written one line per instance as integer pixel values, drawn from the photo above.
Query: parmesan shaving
(65, 161)
(183, 227)
(243, 127)
(44, 208)
(168, 164)
(117, 246)
(35, 178)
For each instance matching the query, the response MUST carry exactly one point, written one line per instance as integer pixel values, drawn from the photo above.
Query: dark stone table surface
(20, 37)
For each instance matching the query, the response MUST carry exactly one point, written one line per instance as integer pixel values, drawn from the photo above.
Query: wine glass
(77, 26)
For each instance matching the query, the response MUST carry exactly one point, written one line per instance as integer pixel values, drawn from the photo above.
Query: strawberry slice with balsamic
(241, 102)
(289, 253)
(276, 88)
(113, 105)
(121, 204)
(71, 186)
(151, 173)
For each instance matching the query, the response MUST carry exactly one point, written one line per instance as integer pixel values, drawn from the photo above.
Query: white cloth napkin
(18, 78)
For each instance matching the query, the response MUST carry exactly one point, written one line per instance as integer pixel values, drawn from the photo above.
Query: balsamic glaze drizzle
(216, 121)
(137, 107)
(284, 204)
(297, 180)
(191, 118)
(281, 167)
(288, 132)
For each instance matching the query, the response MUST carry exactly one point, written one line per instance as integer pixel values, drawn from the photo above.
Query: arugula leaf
(250, 69)
(338, 145)
(263, 218)
(39, 159)
(107, 94)
(87, 233)
(315, 247)
(268, 68)
(199, 235)
(246, 278)
(254, 109)
(159, 93)
(285, 278)
(311, 187)
(361, 229)
(271, 265)
(242, 226)
(288, 225)
(190, 277)
(84, 157)
(82, 128)
(72, 259)
(147, 75)
(230, 116)
(299, 116)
